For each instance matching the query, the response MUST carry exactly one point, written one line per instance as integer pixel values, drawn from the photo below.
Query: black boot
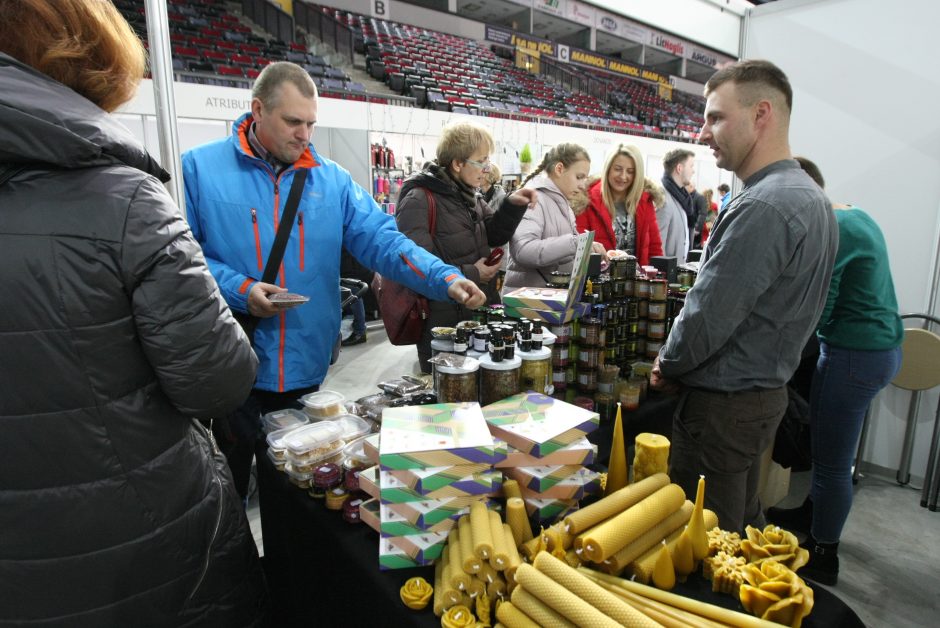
(798, 519)
(823, 565)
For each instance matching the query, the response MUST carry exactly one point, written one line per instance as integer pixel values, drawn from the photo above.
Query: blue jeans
(358, 311)
(845, 384)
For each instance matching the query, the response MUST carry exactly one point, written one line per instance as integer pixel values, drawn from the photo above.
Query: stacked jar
(561, 359)
(656, 317)
(591, 341)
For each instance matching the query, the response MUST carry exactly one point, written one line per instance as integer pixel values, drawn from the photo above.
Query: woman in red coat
(621, 211)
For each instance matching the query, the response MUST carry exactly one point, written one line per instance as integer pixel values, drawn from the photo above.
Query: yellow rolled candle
(438, 603)
(459, 578)
(476, 587)
(539, 611)
(487, 573)
(683, 561)
(664, 572)
(642, 567)
(499, 559)
(590, 592)
(514, 559)
(568, 605)
(532, 547)
(615, 503)
(617, 467)
(603, 541)
(652, 455)
(511, 617)
(471, 564)
(554, 539)
(649, 539)
(496, 589)
(698, 531)
(480, 528)
(572, 559)
(511, 489)
(518, 520)
(450, 593)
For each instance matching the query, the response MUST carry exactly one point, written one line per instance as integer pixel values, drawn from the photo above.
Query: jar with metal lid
(498, 380)
(588, 357)
(641, 345)
(618, 268)
(559, 378)
(636, 327)
(457, 383)
(604, 405)
(658, 289)
(559, 279)
(602, 289)
(656, 311)
(642, 288)
(618, 288)
(536, 371)
(560, 354)
(642, 308)
(629, 287)
(590, 333)
(587, 380)
(653, 346)
(562, 333)
(685, 277)
(633, 309)
(481, 337)
(656, 330)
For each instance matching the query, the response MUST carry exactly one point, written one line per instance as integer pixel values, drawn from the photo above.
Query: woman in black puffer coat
(115, 507)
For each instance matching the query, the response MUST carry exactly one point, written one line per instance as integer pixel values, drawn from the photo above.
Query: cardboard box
(369, 514)
(393, 490)
(547, 510)
(556, 299)
(437, 435)
(393, 557)
(370, 446)
(537, 424)
(552, 317)
(422, 548)
(542, 478)
(577, 486)
(430, 479)
(393, 524)
(581, 452)
(428, 513)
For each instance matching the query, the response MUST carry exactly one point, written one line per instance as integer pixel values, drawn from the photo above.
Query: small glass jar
(587, 380)
(588, 357)
(633, 309)
(457, 383)
(658, 289)
(602, 289)
(629, 287)
(536, 371)
(656, 330)
(642, 308)
(604, 405)
(559, 279)
(498, 380)
(641, 345)
(637, 327)
(685, 278)
(618, 288)
(560, 354)
(653, 346)
(656, 311)
(618, 268)
(642, 290)
(642, 382)
(559, 379)
(590, 332)
(630, 396)
(562, 333)
(586, 403)
(481, 338)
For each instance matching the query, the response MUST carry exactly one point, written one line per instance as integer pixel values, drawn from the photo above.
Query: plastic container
(276, 445)
(279, 463)
(352, 426)
(323, 404)
(283, 420)
(313, 443)
(355, 459)
(536, 371)
(457, 384)
(498, 380)
(301, 479)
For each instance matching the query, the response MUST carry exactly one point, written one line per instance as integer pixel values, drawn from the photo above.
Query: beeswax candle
(499, 559)
(617, 469)
(514, 559)
(438, 603)
(496, 589)
(698, 531)
(480, 527)
(603, 541)
(664, 573)
(539, 611)
(459, 578)
(683, 560)
(476, 587)
(568, 605)
(533, 546)
(642, 567)
(652, 455)
(511, 489)
(471, 564)
(450, 593)
(615, 503)
(512, 617)
(590, 592)
(518, 520)
(649, 539)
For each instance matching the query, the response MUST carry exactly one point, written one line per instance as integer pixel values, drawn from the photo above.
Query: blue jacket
(233, 201)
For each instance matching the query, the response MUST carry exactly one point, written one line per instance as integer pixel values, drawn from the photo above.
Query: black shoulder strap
(285, 226)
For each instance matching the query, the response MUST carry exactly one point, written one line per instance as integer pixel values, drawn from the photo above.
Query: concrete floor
(890, 550)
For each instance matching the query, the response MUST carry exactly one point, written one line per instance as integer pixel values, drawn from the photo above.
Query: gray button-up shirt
(761, 287)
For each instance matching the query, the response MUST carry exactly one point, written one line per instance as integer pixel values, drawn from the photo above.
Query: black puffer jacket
(113, 508)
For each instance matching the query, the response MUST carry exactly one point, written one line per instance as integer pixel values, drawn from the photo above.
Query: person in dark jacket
(115, 507)
(465, 227)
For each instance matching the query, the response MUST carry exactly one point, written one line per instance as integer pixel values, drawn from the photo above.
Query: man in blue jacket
(236, 191)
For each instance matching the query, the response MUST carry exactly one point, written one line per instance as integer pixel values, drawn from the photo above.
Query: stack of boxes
(547, 451)
(433, 462)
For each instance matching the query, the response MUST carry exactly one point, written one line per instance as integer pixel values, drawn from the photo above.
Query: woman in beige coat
(547, 238)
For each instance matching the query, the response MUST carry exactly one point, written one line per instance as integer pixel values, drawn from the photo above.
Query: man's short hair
(675, 157)
(724, 188)
(276, 74)
(460, 140)
(756, 76)
(812, 170)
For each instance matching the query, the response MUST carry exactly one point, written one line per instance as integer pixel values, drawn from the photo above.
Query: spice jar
(588, 357)
(559, 279)
(498, 380)
(658, 289)
(618, 268)
(536, 371)
(653, 346)
(642, 289)
(559, 379)
(656, 330)
(562, 333)
(481, 337)
(560, 354)
(457, 383)
(587, 380)
(590, 332)
(629, 287)
(656, 311)
(685, 278)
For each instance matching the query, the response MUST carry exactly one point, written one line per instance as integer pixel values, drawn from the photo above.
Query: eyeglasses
(482, 165)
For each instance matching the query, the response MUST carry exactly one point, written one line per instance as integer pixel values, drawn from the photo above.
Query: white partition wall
(866, 88)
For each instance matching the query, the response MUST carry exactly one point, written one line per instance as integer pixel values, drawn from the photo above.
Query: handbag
(404, 311)
(249, 322)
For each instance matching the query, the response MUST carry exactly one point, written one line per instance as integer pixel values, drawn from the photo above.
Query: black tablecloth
(323, 571)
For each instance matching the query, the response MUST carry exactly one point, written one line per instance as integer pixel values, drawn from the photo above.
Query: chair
(920, 371)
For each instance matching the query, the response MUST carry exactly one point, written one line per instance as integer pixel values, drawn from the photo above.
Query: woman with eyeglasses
(547, 238)
(465, 229)
(622, 207)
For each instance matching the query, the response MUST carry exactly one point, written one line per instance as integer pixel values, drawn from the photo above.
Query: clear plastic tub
(302, 479)
(279, 463)
(283, 419)
(323, 404)
(276, 446)
(312, 443)
(353, 426)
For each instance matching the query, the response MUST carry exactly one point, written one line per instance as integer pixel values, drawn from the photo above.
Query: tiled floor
(890, 550)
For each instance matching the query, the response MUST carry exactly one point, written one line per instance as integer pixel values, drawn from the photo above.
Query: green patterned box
(581, 452)
(485, 483)
(537, 424)
(542, 478)
(428, 513)
(548, 511)
(430, 479)
(578, 485)
(556, 299)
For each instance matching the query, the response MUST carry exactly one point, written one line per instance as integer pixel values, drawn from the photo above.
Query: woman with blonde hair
(117, 509)
(465, 228)
(622, 208)
(547, 237)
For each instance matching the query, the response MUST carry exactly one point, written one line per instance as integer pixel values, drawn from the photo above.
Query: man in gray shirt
(759, 293)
